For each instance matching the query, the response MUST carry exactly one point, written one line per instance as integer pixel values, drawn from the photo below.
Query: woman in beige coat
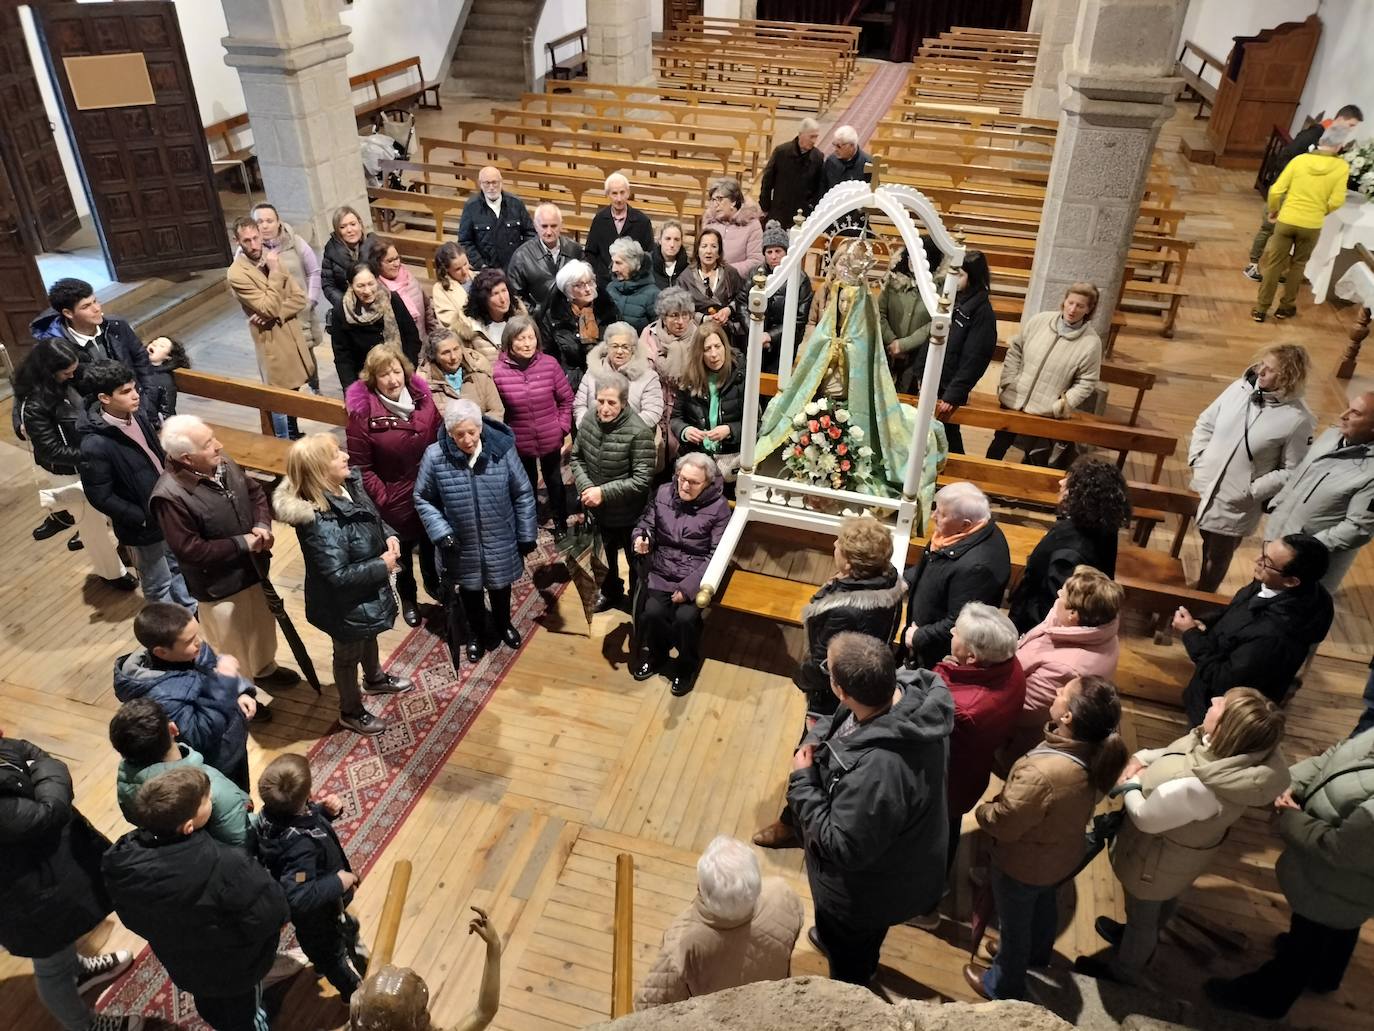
(739, 929)
(453, 367)
(1181, 801)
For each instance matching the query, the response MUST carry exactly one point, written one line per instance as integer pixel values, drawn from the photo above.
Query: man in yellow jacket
(1310, 188)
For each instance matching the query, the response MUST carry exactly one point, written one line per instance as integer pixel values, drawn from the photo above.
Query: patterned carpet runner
(872, 103)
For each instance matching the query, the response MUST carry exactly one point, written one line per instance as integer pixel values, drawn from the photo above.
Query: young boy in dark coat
(297, 844)
(203, 694)
(211, 913)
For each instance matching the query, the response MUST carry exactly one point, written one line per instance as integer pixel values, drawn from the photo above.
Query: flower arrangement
(826, 449)
(1361, 161)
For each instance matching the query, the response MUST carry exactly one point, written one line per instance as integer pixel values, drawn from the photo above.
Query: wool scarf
(356, 313)
(414, 298)
(403, 407)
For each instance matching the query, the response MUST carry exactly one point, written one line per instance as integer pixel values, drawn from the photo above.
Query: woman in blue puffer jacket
(478, 508)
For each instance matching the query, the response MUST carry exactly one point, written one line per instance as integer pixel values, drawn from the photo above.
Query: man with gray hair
(494, 222)
(965, 560)
(218, 524)
(794, 176)
(536, 262)
(610, 223)
(847, 162)
(741, 928)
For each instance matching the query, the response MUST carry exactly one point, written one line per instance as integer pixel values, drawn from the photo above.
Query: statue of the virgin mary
(844, 361)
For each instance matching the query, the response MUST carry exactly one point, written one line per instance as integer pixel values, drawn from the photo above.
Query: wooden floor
(572, 761)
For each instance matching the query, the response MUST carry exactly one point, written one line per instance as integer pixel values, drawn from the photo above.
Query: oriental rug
(872, 103)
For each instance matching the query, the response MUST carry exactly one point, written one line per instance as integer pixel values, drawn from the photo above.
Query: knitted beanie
(774, 235)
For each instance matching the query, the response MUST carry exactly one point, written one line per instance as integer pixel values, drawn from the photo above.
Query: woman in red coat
(989, 690)
(392, 418)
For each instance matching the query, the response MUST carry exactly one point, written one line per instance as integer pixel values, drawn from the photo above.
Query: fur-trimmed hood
(294, 510)
(883, 591)
(634, 369)
(748, 212)
(363, 400)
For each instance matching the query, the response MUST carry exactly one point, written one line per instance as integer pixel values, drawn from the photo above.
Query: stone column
(1057, 20)
(1037, 16)
(1117, 93)
(290, 56)
(619, 41)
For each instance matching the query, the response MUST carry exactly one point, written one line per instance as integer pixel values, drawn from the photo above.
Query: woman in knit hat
(775, 245)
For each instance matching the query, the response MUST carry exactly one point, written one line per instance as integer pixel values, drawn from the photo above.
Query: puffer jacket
(1052, 561)
(118, 477)
(1160, 866)
(477, 385)
(49, 418)
(228, 803)
(1325, 871)
(867, 606)
(387, 450)
(646, 390)
(486, 508)
(348, 591)
(871, 807)
(558, 329)
(1038, 820)
(335, 261)
(538, 402)
(303, 855)
(682, 535)
(775, 314)
(51, 889)
(987, 704)
(742, 237)
(115, 340)
(635, 297)
(975, 568)
(200, 700)
(691, 410)
(1242, 454)
(617, 456)
(1049, 370)
(1331, 496)
(904, 320)
(702, 953)
(968, 351)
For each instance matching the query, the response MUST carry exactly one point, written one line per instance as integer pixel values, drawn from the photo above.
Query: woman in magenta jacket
(392, 418)
(539, 406)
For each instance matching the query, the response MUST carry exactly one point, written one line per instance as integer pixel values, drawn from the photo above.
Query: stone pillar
(620, 41)
(1057, 21)
(1117, 93)
(1037, 16)
(290, 56)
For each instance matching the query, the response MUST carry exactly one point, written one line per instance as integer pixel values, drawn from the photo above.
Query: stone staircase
(490, 59)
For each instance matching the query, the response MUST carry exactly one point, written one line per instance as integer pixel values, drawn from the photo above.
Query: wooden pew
(406, 95)
(713, 156)
(574, 64)
(1138, 380)
(1193, 82)
(796, 82)
(713, 100)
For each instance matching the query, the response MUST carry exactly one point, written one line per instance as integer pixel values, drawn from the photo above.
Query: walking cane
(277, 607)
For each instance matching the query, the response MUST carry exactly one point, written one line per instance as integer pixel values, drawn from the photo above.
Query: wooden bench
(1138, 380)
(573, 65)
(1193, 82)
(797, 82)
(402, 98)
(714, 100)
(716, 157)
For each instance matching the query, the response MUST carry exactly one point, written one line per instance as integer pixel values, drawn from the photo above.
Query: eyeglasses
(1263, 560)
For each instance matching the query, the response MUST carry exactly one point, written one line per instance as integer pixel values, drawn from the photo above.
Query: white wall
(387, 30)
(1212, 24)
(1339, 73)
(558, 18)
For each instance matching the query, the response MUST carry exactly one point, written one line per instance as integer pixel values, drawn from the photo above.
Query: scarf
(587, 328)
(672, 351)
(454, 379)
(937, 542)
(403, 407)
(1066, 327)
(713, 414)
(358, 314)
(414, 298)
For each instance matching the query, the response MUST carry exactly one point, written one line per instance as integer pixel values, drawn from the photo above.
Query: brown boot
(777, 835)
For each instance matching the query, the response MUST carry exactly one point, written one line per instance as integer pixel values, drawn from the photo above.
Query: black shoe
(279, 678)
(645, 666)
(1239, 995)
(1259, 316)
(474, 651)
(605, 602)
(53, 525)
(75, 543)
(409, 612)
(1109, 930)
(511, 636)
(815, 939)
(1091, 966)
(127, 582)
(683, 682)
(1285, 313)
(262, 714)
(560, 531)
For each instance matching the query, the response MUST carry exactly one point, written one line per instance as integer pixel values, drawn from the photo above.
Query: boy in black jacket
(211, 913)
(297, 844)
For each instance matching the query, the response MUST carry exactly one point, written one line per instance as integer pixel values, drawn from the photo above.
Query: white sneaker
(287, 964)
(97, 970)
(926, 921)
(1252, 272)
(110, 1022)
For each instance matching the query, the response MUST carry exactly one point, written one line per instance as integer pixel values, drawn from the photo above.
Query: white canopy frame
(756, 495)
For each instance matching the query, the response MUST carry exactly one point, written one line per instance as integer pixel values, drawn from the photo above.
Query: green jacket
(618, 457)
(228, 805)
(902, 313)
(1325, 871)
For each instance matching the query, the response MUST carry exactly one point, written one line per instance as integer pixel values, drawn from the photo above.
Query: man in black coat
(610, 223)
(121, 461)
(793, 177)
(536, 262)
(966, 560)
(77, 317)
(867, 791)
(848, 162)
(51, 891)
(211, 913)
(494, 223)
(1264, 636)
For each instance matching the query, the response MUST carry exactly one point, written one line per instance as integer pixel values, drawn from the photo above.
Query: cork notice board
(109, 80)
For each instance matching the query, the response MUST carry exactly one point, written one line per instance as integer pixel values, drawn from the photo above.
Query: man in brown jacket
(739, 929)
(218, 524)
(273, 302)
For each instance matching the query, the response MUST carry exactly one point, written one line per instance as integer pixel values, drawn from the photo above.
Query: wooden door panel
(46, 211)
(24, 295)
(147, 168)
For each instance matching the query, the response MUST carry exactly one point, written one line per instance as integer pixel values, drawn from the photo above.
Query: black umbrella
(455, 623)
(278, 609)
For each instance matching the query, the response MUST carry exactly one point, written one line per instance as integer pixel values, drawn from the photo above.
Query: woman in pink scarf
(385, 262)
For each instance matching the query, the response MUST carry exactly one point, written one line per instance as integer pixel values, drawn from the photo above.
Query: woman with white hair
(623, 352)
(966, 560)
(632, 287)
(741, 928)
(736, 218)
(477, 507)
(679, 531)
(575, 319)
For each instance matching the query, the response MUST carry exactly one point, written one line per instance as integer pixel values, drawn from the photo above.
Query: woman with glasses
(737, 221)
(576, 318)
(623, 352)
(1245, 446)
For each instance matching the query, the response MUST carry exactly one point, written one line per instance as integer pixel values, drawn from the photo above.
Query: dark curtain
(912, 20)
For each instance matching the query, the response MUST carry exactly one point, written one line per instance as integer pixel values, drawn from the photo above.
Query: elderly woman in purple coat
(679, 530)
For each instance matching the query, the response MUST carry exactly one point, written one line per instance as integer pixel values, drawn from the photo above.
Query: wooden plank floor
(572, 761)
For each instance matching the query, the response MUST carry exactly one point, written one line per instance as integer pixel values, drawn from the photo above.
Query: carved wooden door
(146, 165)
(47, 214)
(676, 13)
(24, 295)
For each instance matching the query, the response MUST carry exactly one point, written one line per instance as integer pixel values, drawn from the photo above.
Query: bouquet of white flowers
(1361, 161)
(826, 449)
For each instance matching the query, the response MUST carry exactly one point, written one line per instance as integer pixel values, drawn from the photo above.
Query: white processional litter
(753, 492)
